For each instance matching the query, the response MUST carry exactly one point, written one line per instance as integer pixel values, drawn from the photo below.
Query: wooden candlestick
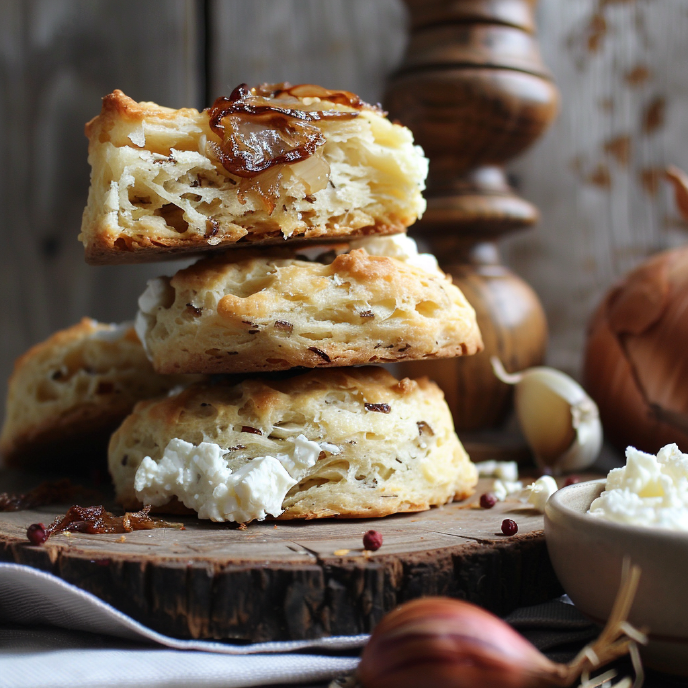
(473, 89)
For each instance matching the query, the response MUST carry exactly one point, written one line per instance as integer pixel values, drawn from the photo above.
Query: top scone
(264, 165)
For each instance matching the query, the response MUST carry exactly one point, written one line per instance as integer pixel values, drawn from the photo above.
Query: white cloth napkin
(53, 634)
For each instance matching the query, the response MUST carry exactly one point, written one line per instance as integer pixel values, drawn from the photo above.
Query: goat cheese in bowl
(637, 513)
(648, 491)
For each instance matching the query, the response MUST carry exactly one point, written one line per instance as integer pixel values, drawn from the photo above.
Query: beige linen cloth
(55, 635)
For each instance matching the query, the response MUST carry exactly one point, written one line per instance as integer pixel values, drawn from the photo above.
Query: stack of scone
(259, 182)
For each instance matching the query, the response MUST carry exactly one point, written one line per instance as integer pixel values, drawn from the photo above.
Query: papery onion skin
(636, 356)
(444, 643)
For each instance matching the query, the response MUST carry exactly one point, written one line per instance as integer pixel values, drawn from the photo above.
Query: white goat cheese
(504, 470)
(200, 477)
(648, 491)
(503, 488)
(149, 302)
(114, 334)
(399, 246)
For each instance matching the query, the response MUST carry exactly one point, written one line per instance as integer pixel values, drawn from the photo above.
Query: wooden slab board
(289, 579)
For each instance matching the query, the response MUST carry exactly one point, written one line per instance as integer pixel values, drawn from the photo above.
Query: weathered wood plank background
(596, 174)
(619, 66)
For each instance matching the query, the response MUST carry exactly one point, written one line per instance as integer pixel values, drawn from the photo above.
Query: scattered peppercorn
(487, 500)
(509, 527)
(372, 540)
(571, 480)
(36, 533)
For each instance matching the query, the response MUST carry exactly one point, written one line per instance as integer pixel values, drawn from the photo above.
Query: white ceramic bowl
(587, 554)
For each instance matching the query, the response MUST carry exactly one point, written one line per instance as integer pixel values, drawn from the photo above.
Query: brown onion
(446, 643)
(636, 364)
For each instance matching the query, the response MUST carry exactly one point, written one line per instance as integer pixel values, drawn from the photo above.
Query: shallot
(446, 643)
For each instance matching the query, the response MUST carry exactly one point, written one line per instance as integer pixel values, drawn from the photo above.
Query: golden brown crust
(396, 449)
(117, 105)
(266, 311)
(158, 190)
(106, 249)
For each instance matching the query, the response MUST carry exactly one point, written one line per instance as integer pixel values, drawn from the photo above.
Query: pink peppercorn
(571, 480)
(487, 500)
(509, 527)
(372, 540)
(36, 533)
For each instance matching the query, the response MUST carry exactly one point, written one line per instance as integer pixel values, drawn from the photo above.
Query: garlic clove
(559, 420)
(539, 492)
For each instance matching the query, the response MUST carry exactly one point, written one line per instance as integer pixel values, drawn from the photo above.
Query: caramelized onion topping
(312, 91)
(257, 134)
(95, 519)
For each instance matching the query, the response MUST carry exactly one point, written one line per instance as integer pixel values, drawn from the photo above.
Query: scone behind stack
(69, 393)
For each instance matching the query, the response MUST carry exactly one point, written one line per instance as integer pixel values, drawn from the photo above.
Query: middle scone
(273, 310)
(350, 442)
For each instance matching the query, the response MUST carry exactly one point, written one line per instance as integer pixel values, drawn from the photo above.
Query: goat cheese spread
(502, 489)
(149, 302)
(114, 333)
(399, 246)
(200, 477)
(648, 491)
(503, 470)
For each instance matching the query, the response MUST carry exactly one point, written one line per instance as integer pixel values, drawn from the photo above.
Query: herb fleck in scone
(349, 443)
(68, 393)
(271, 310)
(264, 165)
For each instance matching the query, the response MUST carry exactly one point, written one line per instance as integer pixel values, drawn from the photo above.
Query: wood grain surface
(292, 580)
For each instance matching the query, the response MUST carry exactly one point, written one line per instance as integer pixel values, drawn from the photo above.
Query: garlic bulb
(559, 420)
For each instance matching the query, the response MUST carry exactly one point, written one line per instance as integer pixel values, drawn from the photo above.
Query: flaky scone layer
(72, 388)
(157, 188)
(388, 445)
(267, 311)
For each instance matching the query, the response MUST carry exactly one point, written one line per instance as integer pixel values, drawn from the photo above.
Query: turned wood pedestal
(474, 91)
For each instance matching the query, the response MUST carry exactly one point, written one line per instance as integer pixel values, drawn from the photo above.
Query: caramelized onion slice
(95, 519)
(312, 91)
(256, 134)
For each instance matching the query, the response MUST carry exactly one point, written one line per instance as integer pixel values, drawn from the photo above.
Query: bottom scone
(68, 393)
(351, 442)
